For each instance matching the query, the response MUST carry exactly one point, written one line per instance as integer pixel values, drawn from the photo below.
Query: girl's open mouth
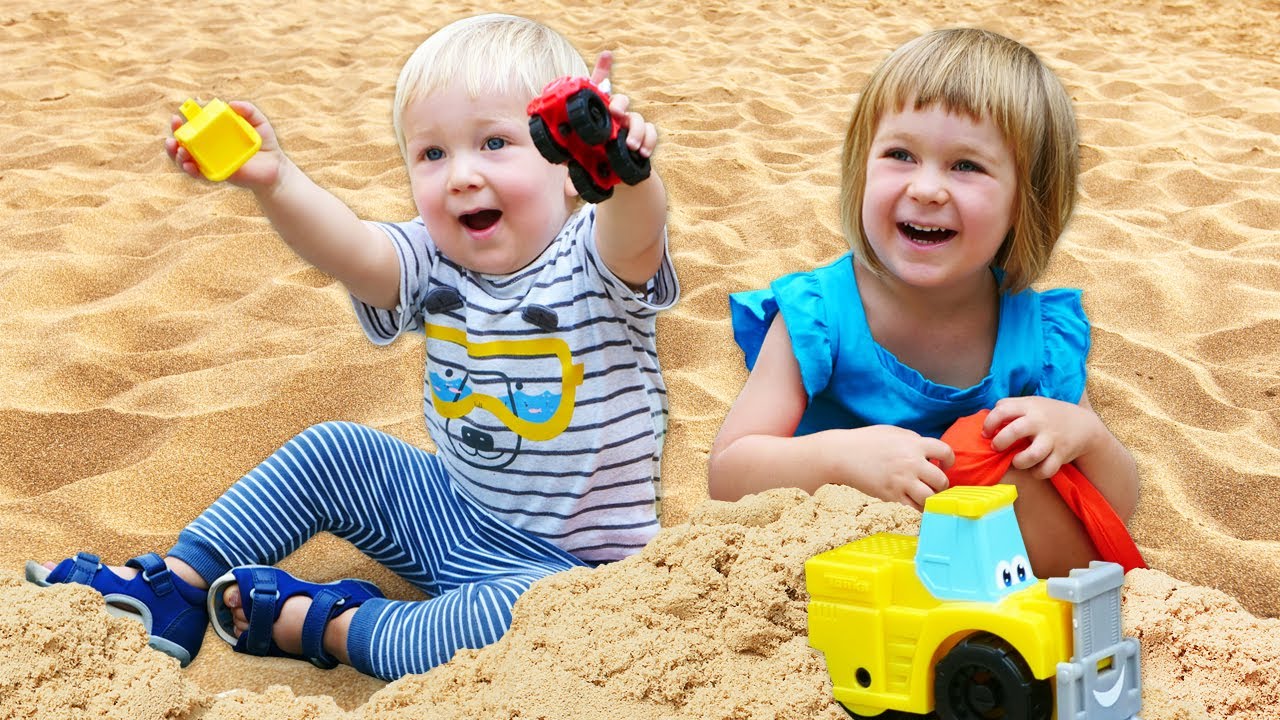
(481, 220)
(926, 234)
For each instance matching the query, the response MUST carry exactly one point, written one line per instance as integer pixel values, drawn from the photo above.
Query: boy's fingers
(604, 65)
(246, 110)
(648, 140)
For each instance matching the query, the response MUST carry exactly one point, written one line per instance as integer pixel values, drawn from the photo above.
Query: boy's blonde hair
(981, 74)
(486, 53)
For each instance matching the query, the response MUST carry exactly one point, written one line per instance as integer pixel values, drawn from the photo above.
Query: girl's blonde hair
(983, 75)
(486, 53)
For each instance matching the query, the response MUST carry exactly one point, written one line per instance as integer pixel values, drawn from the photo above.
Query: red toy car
(570, 122)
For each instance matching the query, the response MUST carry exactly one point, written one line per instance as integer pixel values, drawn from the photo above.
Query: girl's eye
(432, 153)
(968, 166)
(898, 154)
(494, 143)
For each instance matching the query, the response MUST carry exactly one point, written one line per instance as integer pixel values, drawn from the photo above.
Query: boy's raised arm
(311, 220)
(629, 226)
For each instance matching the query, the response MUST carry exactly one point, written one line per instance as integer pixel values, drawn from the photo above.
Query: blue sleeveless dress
(1041, 344)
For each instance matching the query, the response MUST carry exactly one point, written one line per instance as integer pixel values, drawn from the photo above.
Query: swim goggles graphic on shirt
(511, 398)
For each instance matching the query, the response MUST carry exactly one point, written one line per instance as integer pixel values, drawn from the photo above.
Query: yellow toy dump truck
(954, 623)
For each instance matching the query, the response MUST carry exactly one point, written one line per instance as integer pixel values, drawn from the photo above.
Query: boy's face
(489, 199)
(939, 198)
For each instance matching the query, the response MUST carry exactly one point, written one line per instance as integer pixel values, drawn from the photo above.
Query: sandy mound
(708, 622)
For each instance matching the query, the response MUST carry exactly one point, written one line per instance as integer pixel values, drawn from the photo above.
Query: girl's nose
(928, 187)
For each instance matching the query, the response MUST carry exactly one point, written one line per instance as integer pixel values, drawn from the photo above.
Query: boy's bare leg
(1056, 540)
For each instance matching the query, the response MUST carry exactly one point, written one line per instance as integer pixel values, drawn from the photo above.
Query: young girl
(959, 174)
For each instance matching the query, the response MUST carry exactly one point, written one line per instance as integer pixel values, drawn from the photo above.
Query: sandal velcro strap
(83, 569)
(264, 607)
(326, 603)
(154, 573)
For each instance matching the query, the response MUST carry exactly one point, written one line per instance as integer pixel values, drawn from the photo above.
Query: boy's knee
(329, 428)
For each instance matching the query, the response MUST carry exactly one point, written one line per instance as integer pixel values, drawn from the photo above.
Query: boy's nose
(463, 174)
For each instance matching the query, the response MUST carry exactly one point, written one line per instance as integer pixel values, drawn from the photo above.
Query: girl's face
(939, 196)
(489, 200)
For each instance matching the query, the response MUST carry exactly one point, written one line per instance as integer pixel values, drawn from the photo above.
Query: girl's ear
(570, 192)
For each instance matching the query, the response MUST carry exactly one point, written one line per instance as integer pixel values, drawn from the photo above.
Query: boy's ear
(570, 191)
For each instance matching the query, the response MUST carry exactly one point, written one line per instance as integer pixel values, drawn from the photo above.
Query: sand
(157, 339)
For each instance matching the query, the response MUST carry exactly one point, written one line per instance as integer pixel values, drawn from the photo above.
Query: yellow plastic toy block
(219, 140)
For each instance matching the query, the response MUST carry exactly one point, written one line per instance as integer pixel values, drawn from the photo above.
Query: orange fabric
(978, 464)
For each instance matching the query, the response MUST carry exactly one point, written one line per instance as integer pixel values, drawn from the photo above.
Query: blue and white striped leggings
(395, 503)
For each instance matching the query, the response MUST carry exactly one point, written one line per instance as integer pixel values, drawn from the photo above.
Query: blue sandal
(263, 592)
(172, 611)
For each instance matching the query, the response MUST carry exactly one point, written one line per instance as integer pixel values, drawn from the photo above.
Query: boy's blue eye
(432, 153)
(494, 143)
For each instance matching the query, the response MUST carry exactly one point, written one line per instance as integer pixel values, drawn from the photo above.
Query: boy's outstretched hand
(642, 136)
(261, 170)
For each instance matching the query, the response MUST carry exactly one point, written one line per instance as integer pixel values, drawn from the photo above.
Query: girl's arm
(311, 220)
(756, 449)
(1110, 467)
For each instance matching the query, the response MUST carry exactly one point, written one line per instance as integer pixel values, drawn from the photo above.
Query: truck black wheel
(589, 117)
(984, 678)
(545, 143)
(586, 186)
(631, 167)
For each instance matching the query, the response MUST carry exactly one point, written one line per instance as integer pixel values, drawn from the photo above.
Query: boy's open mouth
(926, 234)
(481, 219)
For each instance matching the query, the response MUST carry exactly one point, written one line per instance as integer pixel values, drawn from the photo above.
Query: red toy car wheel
(546, 144)
(586, 186)
(631, 167)
(589, 117)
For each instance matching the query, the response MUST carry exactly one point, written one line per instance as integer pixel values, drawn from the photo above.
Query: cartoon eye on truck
(955, 623)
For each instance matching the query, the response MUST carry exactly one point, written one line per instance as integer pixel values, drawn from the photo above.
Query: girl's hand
(642, 136)
(1059, 432)
(891, 463)
(262, 170)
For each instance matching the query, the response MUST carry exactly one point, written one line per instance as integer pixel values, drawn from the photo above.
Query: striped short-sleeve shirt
(543, 392)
